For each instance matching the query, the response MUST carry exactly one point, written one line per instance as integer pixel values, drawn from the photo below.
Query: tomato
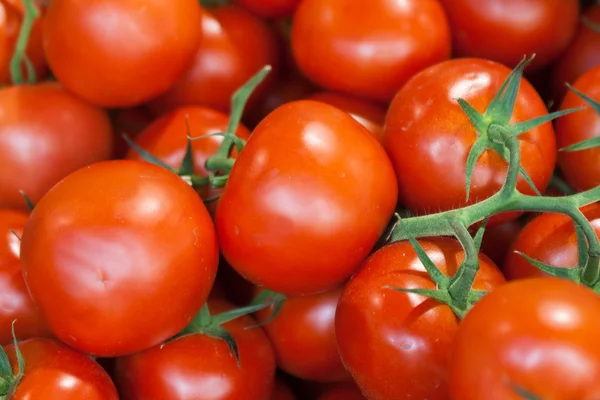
(45, 134)
(537, 334)
(549, 238)
(236, 44)
(397, 345)
(128, 121)
(342, 391)
(282, 391)
(368, 51)
(270, 8)
(166, 139)
(234, 288)
(497, 240)
(15, 302)
(11, 17)
(309, 351)
(120, 53)
(428, 136)
(201, 367)
(370, 115)
(306, 200)
(580, 168)
(506, 30)
(119, 256)
(54, 371)
(582, 54)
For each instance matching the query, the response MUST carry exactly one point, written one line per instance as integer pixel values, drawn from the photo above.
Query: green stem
(20, 54)
(462, 282)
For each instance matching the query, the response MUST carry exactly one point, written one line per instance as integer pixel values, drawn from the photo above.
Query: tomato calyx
(590, 24)
(213, 3)
(32, 13)
(9, 381)
(212, 325)
(588, 143)
(277, 299)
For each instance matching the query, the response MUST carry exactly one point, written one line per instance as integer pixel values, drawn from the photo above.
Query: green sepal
(187, 165)
(30, 205)
(6, 373)
(241, 96)
(590, 24)
(435, 294)
(9, 381)
(219, 332)
(565, 273)
(525, 126)
(20, 53)
(506, 156)
(476, 118)
(20, 359)
(146, 155)
(474, 296)
(237, 141)
(278, 300)
(582, 246)
(475, 153)
(524, 393)
(583, 145)
(478, 239)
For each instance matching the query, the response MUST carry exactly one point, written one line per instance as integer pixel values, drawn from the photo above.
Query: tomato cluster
(299, 199)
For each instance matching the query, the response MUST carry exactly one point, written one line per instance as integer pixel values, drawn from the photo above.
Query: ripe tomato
(309, 352)
(497, 240)
(45, 134)
(342, 391)
(235, 45)
(306, 200)
(166, 139)
(15, 302)
(580, 168)
(370, 115)
(537, 334)
(120, 53)
(200, 367)
(368, 51)
(54, 371)
(11, 16)
(506, 30)
(428, 136)
(582, 54)
(111, 242)
(397, 345)
(549, 238)
(282, 391)
(270, 8)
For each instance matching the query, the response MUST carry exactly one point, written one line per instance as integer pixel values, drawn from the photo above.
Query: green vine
(19, 57)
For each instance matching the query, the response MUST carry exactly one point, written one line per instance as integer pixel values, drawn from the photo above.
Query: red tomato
(580, 168)
(537, 334)
(119, 256)
(129, 121)
(303, 337)
(582, 54)
(270, 8)
(120, 53)
(497, 240)
(342, 391)
(282, 392)
(235, 46)
(397, 345)
(200, 367)
(234, 288)
(370, 115)
(166, 139)
(45, 134)
(549, 238)
(306, 200)
(428, 136)
(15, 302)
(11, 16)
(54, 371)
(506, 30)
(368, 51)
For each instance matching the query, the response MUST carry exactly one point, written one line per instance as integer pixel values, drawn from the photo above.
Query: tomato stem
(462, 282)
(20, 54)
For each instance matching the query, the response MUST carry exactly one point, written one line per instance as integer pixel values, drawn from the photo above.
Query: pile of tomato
(299, 199)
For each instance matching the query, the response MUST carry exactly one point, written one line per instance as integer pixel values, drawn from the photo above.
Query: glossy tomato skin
(507, 30)
(306, 200)
(580, 168)
(11, 17)
(342, 391)
(397, 345)
(535, 333)
(303, 337)
(15, 301)
(368, 52)
(123, 52)
(370, 115)
(166, 139)
(582, 54)
(428, 136)
(270, 8)
(55, 371)
(199, 367)
(45, 134)
(235, 45)
(111, 242)
(549, 238)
